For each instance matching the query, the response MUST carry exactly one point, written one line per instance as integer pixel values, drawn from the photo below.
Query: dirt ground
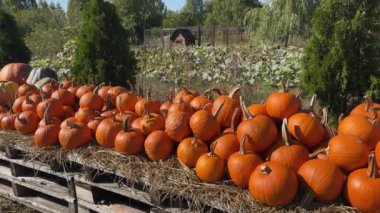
(9, 206)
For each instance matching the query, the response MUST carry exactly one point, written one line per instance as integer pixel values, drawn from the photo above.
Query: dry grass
(9, 206)
(167, 178)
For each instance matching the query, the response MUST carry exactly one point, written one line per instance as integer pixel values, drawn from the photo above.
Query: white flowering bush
(221, 64)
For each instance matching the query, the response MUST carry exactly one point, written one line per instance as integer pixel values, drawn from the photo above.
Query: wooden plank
(113, 208)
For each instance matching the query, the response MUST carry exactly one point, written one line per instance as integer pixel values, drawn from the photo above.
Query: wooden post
(162, 38)
(199, 35)
(213, 35)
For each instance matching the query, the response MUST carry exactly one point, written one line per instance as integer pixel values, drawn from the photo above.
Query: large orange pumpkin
(363, 187)
(158, 145)
(26, 122)
(210, 167)
(16, 72)
(74, 135)
(126, 102)
(91, 100)
(283, 104)
(273, 184)
(241, 164)
(46, 136)
(107, 131)
(190, 149)
(129, 141)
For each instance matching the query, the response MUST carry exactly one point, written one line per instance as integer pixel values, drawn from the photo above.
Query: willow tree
(280, 20)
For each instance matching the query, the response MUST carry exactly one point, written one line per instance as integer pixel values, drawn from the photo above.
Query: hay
(166, 179)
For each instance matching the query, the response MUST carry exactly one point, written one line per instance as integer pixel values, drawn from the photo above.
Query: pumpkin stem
(118, 103)
(164, 113)
(146, 111)
(319, 151)
(22, 120)
(235, 92)
(65, 76)
(212, 149)
(194, 142)
(27, 98)
(373, 170)
(108, 102)
(234, 120)
(148, 93)
(341, 117)
(286, 138)
(72, 125)
(219, 91)
(242, 150)
(369, 103)
(47, 117)
(324, 121)
(284, 86)
(96, 89)
(126, 126)
(218, 109)
(207, 106)
(247, 114)
(265, 170)
(312, 104)
(374, 115)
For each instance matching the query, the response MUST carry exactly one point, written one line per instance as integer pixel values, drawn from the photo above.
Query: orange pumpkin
(323, 178)
(190, 149)
(257, 109)
(17, 104)
(283, 104)
(91, 100)
(46, 135)
(80, 91)
(290, 155)
(377, 153)
(26, 122)
(113, 92)
(365, 109)
(261, 131)
(241, 164)
(126, 102)
(186, 94)
(225, 145)
(152, 106)
(158, 145)
(56, 109)
(68, 111)
(177, 125)
(49, 88)
(67, 98)
(47, 119)
(25, 88)
(199, 102)
(230, 103)
(209, 167)
(204, 124)
(74, 136)
(84, 115)
(31, 101)
(93, 124)
(235, 121)
(273, 184)
(151, 122)
(8, 121)
(107, 131)
(363, 186)
(180, 106)
(129, 141)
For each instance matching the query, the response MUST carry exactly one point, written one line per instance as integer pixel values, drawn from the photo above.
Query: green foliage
(74, 16)
(284, 21)
(228, 12)
(342, 53)
(12, 47)
(14, 5)
(172, 19)
(374, 90)
(137, 15)
(243, 65)
(102, 53)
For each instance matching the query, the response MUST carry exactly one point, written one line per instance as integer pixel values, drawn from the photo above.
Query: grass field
(9, 206)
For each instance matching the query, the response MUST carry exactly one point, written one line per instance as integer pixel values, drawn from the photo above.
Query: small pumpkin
(180, 106)
(68, 111)
(177, 125)
(151, 122)
(365, 109)
(169, 100)
(290, 155)
(230, 103)
(190, 149)
(91, 100)
(49, 88)
(47, 119)
(115, 91)
(84, 115)
(56, 109)
(103, 90)
(8, 92)
(74, 135)
(257, 109)
(93, 124)
(67, 98)
(152, 106)
(80, 91)
(25, 88)
(235, 121)
(46, 135)
(241, 164)
(201, 101)
(225, 145)
(204, 124)
(17, 104)
(8, 121)
(129, 141)
(31, 101)
(210, 167)
(126, 102)
(158, 145)
(273, 184)
(282, 104)
(261, 131)
(107, 131)
(26, 122)
(186, 94)
(363, 187)
(323, 178)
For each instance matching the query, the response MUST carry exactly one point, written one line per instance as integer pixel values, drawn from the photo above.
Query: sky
(170, 4)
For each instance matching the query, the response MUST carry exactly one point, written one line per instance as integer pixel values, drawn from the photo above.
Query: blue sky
(170, 4)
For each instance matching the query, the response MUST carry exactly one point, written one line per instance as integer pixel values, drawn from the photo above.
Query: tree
(172, 19)
(74, 15)
(281, 20)
(13, 5)
(228, 12)
(138, 15)
(12, 47)
(103, 53)
(342, 53)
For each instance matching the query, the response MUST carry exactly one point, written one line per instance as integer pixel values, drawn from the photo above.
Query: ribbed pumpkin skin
(136, 124)
(8, 122)
(256, 109)
(74, 137)
(152, 123)
(107, 131)
(46, 136)
(25, 88)
(66, 97)
(30, 103)
(92, 101)
(180, 107)
(17, 72)
(348, 152)
(84, 115)
(68, 112)
(225, 145)
(189, 153)
(17, 104)
(204, 125)
(83, 90)
(280, 105)
(307, 129)
(199, 102)
(129, 143)
(177, 126)
(27, 122)
(114, 92)
(209, 168)
(55, 110)
(377, 153)
(323, 177)
(261, 133)
(103, 91)
(126, 102)
(292, 156)
(240, 167)
(152, 106)
(363, 190)
(93, 125)
(158, 145)
(359, 126)
(225, 115)
(278, 188)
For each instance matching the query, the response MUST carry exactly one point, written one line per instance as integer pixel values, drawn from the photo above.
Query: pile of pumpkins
(272, 148)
